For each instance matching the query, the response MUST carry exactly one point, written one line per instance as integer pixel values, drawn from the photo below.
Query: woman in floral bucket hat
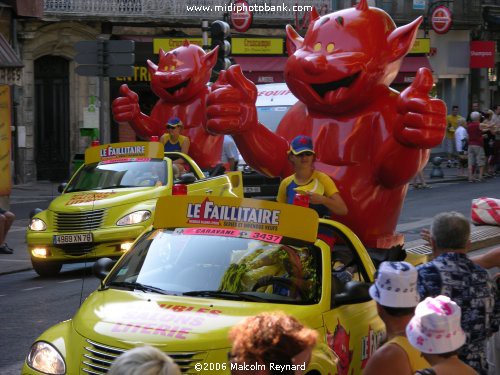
(435, 330)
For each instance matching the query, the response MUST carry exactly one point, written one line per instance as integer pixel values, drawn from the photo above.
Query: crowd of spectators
(474, 142)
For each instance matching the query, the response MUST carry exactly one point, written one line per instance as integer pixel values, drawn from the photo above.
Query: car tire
(46, 269)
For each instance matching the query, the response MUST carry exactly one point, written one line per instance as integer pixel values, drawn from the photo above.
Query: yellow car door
(219, 186)
(353, 328)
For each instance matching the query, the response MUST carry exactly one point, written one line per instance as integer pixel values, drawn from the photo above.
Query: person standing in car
(321, 191)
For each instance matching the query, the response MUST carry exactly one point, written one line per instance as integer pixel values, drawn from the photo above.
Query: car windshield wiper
(117, 187)
(136, 286)
(69, 190)
(221, 294)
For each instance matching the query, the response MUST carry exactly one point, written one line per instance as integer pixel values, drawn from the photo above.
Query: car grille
(76, 249)
(78, 221)
(97, 358)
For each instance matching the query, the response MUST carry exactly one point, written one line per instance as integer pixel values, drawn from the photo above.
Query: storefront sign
(441, 19)
(5, 124)
(419, 4)
(257, 46)
(421, 45)
(168, 44)
(241, 16)
(482, 54)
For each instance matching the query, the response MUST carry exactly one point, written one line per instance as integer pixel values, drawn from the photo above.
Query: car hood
(179, 323)
(95, 199)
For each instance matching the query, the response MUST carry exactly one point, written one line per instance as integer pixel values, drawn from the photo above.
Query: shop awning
(413, 63)
(8, 58)
(261, 63)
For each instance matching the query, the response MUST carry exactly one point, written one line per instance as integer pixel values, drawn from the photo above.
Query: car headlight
(45, 358)
(37, 224)
(134, 217)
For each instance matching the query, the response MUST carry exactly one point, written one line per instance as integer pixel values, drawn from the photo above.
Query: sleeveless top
(417, 361)
(169, 146)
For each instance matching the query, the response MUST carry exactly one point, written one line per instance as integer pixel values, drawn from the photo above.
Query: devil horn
(162, 53)
(362, 5)
(314, 14)
(185, 43)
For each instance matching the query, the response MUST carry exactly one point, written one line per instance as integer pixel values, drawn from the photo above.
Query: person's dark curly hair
(272, 337)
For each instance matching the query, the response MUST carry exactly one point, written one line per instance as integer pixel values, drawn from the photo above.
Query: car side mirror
(62, 186)
(102, 266)
(187, 178)
(354, 292)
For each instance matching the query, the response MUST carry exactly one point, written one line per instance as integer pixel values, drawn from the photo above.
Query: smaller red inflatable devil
(180, 81)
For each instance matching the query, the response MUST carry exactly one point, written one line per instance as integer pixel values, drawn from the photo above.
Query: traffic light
(220, 31)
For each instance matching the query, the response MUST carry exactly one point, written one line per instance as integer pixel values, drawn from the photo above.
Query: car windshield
(271, 116)
(221, 267)
(111, 175)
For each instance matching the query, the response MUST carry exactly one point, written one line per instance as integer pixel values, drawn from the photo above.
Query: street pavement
(26, 197)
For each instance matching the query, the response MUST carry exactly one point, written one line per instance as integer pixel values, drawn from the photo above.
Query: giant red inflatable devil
(369, 138)
(180, 82)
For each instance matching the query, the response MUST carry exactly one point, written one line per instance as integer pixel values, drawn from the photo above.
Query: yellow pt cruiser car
(205, 264)
(111, 199)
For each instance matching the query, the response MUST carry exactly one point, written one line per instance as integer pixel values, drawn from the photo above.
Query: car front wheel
(46, 269)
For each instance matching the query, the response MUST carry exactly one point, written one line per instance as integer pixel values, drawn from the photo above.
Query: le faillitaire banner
(5, 124)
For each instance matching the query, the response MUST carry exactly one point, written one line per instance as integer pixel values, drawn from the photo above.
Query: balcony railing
(465, 12)
(270, 11)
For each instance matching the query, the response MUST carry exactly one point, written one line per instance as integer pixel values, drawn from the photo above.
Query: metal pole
(102, 128)
(204, 34)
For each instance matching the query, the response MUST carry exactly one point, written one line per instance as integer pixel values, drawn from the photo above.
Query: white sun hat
(396, 285)
(435, 327)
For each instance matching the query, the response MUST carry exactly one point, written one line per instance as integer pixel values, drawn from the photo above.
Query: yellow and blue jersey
(319, 183)
(170, 146)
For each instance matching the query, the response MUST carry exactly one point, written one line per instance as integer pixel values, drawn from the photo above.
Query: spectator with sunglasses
(323, 195)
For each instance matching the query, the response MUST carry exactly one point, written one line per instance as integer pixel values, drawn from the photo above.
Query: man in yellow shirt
(395, 292)
(323, 195)
(449, 139)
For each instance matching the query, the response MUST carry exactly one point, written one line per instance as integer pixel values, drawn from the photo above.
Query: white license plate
(251, 189)
(64, 239)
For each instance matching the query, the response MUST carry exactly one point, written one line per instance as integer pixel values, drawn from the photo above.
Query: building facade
(54, 103)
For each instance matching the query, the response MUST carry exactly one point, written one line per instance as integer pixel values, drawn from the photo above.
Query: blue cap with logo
(173, 122)
(300, 144)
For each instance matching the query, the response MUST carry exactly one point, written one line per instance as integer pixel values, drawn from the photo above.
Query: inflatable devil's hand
(231, 104)
(423, 117)
(126, 108)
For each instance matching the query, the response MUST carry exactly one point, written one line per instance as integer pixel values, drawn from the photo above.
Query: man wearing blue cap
(322, 192)
(173, 140)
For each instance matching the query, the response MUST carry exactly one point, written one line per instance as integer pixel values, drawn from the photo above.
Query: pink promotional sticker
(266, 237)
(124, 160)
